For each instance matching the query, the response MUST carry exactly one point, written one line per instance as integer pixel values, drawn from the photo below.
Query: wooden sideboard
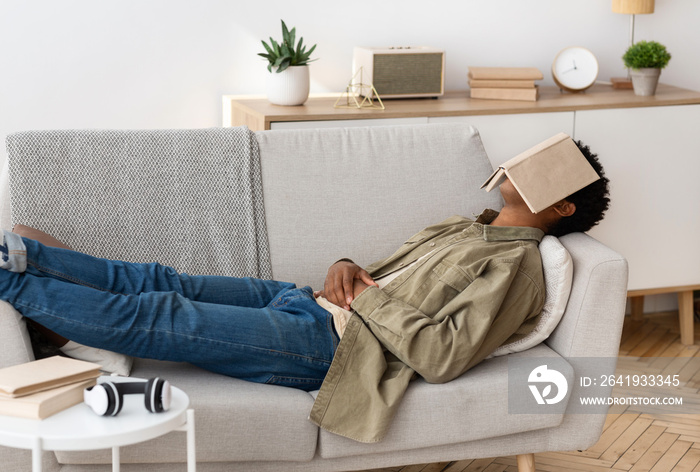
(259, 114)
(647, 145)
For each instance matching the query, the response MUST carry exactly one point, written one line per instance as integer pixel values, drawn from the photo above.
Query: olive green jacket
(480, 287)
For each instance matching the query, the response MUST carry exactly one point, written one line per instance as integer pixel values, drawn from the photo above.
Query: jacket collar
(506, 233)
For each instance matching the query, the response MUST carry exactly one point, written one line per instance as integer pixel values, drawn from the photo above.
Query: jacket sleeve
(442, 347)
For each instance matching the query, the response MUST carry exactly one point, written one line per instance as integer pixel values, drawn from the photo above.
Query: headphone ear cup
(97, 399)
(166, 396)
(153, 397)
(104, 399)
(115, 400)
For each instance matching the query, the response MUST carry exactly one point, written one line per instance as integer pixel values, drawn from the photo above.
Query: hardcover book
(43, 404)
(44, 374)
(546, 173)
(495, 83)
(525, 94)
(505, 73)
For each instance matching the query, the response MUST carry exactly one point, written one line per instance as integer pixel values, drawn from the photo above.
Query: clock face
(575, 69)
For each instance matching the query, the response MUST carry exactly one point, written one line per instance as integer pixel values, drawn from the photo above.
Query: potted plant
(645, 60)
(288, 81)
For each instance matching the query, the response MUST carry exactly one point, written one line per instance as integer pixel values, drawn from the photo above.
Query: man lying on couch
(444, 301)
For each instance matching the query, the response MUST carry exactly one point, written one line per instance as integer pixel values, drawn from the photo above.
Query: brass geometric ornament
(357, 89)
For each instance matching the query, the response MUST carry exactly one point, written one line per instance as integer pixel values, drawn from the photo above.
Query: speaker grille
(407, 73)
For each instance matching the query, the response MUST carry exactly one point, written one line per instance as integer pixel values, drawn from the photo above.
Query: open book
(546, 173)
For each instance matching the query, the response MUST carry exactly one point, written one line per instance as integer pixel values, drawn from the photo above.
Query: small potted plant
(288, 81)
(645, 60)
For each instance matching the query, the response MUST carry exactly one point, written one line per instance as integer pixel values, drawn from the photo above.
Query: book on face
(546, 173)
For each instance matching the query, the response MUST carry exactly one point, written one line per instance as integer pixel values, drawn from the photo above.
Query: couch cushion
(352, 209)
(235, 420)
(474, 406)
(558, 271)
(111, 362)
(15, 346)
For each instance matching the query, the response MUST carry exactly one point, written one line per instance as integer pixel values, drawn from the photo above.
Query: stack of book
(504, 83)
(42, 388)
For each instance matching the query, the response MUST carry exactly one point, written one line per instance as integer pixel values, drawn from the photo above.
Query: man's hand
(345, 280)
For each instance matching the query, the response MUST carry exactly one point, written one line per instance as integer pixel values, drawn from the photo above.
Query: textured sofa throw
(191, 199)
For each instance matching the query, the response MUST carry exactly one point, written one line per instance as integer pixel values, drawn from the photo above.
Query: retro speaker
(401, 72)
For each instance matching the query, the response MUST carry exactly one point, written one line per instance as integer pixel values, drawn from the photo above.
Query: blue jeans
(258, 330)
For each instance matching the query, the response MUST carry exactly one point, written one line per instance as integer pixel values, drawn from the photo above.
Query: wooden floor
(634, 442)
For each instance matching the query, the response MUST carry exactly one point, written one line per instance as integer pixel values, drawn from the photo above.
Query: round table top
(78, 428)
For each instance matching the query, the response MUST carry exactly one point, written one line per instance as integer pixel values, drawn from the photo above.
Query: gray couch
(330, 194)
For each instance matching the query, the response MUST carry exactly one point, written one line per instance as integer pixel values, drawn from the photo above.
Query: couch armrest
(592, 322)
(15, 346)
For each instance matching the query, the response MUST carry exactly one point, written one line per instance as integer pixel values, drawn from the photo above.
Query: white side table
(79, 429)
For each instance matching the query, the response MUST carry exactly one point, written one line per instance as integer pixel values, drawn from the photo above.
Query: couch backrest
(361, 192)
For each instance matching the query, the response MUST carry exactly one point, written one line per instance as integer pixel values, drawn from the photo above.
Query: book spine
(505, 73)
(505, 94)
(485, 83)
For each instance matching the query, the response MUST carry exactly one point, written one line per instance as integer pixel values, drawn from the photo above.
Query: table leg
(191, 451)
(36, 455)
(116, 460)
(685, 317)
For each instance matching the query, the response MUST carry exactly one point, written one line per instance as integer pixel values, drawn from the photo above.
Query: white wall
(166, 63)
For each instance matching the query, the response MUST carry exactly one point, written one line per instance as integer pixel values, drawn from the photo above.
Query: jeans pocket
(289, 296)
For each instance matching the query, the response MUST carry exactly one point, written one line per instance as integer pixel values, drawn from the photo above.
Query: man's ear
(564, 208)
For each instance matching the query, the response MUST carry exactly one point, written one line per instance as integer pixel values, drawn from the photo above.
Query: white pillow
(111, 362)
(558, 271)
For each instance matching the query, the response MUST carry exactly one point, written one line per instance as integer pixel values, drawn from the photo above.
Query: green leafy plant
(646, 54)
(287, 53)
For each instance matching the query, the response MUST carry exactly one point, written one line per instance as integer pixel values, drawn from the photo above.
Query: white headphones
(106, 399)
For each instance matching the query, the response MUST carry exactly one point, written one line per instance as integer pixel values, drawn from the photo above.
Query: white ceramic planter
(644, 81)
(289, 87)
